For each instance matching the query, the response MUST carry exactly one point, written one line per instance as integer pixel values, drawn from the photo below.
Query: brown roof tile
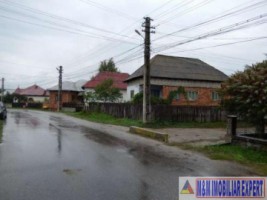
(171, 67)
(33, 90)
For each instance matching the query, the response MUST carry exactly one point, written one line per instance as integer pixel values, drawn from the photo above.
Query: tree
(90, 97)
(245, 93)
(174, 93)
(104, 92)
(138, 98)
(9, 98)
(107, 65)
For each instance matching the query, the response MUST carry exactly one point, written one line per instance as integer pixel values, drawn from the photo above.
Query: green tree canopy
(138, 98)
(108, 65)
(9, 98)
(104, 92)
(245, 94)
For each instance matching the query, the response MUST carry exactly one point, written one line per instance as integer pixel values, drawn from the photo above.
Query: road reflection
(1, 131)
(51, 156)
(59, 140)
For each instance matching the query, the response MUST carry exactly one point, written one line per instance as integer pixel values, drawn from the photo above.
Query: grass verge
(247, 156)
(108, 119)
(105, 119)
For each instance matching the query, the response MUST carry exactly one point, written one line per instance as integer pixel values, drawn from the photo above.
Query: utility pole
(59, 94)
(146, 72)
(2, 90)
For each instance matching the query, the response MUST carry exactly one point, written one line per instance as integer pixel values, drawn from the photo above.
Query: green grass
(253, 158)
(166, 124)
(105, 119)
(108, 119)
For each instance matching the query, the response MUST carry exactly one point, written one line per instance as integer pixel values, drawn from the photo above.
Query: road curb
(149, 133)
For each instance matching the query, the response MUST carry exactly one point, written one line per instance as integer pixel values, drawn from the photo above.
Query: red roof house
(117, 77)
(33, 93)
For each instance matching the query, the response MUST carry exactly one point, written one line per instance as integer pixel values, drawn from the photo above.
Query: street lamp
(139, 33)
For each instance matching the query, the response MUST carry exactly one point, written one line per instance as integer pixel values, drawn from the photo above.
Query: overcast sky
(37, 36)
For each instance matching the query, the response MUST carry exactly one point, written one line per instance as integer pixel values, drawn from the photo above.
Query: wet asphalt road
(49, 156)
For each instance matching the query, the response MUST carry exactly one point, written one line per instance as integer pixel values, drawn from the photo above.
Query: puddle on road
(24, 117)
(101, 137)
(62, 123)
(1, 131)
(147, 155)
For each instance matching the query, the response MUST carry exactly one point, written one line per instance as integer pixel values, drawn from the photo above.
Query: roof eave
(184, 79)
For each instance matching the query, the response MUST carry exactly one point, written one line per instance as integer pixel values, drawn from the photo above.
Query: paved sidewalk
(194, 136)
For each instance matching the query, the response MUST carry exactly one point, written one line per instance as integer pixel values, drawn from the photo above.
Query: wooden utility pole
(59, 94)
(2, 90)
(146, 72)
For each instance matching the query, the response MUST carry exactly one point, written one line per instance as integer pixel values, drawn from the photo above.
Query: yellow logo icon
(187, 189)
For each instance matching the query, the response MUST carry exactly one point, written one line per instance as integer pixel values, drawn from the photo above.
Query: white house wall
(38, 98)
(135, 86)
(185, 83)
(124, 95)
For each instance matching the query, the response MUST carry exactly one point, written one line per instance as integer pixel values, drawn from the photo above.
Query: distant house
(71, 93)
(200, 80)
(33, 93)
(118, 82)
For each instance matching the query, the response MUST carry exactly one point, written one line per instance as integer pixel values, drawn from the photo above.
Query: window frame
(192, 95)
(131, 94)
(215, 96)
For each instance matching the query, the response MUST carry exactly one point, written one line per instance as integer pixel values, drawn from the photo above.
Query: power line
(108, 9)
(40, 12)
(67, 31)
(53, 16)
(224, 44)
(106, 48)
(228, 13)
(127, 28)
(115, 57)
(160, 7)
(226, 29)
(190, 9)
(173, 8)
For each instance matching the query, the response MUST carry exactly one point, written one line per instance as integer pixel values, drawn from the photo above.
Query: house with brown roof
(33, 93)
(118, 82)
(168, 73)
(71, 93)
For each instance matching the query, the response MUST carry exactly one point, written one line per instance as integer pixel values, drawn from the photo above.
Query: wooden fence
(161, 112)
